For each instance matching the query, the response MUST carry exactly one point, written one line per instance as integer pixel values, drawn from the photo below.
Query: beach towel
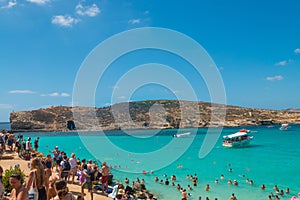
(114, 192)
(99, 187)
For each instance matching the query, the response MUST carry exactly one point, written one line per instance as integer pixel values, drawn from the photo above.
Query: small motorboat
(284, 127)
(182, 134)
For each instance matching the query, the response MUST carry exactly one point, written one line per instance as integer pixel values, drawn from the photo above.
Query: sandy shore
(10, 159)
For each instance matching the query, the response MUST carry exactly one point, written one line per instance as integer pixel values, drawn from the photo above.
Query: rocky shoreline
(154, 114)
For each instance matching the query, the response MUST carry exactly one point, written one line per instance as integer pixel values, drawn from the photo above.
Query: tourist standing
(51, 193)
(65, 168)
(2, 142)
(104, 177)
(48, 165)
(10, 141)
(18, 145)
(37, 175)
(73, 170)
(87, 181)
(28, 149)
(56, 154)
(19, 192)
(36, 144)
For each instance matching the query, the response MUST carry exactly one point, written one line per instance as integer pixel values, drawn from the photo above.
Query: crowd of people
(137, 190)
(87, 172)
(24, 147)
(37, 184)
(50, 174)
(186, 192)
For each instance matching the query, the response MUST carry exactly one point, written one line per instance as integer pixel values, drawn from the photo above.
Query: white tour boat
(284, 127)
(239, 139)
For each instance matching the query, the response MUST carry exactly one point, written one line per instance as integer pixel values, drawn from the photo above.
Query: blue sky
(255, 45)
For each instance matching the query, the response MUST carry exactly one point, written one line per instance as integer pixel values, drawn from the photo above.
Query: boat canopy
(238, 134)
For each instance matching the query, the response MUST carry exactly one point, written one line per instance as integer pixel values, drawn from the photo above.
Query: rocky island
(146, 115)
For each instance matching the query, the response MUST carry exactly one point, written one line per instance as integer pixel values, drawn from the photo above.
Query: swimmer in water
(207, 188)
(263, 186)
(222, 177)
(235, 182)
(287, 190)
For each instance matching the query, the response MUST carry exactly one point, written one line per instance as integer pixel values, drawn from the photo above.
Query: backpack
(59, 158)
(92, 174)
(66, 166)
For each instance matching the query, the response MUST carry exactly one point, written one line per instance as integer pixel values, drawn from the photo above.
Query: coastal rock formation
(147, 114)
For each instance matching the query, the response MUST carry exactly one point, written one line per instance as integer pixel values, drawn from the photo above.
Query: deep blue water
(4, 126)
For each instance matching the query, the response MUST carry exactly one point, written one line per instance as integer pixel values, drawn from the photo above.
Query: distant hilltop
(152, 114)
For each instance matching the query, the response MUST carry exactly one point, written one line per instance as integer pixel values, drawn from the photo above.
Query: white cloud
(40, 2)
(22, 92)
(134, 21)
(281, 63)
(64, 94)
(297, 50)
(5, 106)
(56, 94)
(284, 62)
(90, 11)
(274, 78)
(10, 4)
(64, 20)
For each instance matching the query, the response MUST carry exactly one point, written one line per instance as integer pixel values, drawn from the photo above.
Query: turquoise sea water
(272, 159)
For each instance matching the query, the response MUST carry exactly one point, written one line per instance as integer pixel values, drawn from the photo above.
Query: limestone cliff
(146, 114)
